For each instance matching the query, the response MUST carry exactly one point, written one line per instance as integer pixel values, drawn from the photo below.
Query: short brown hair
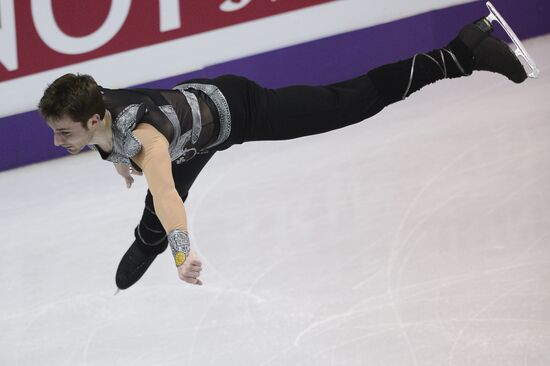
(76, 96)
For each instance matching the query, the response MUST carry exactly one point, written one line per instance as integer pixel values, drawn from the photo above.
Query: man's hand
(126, 172)
(191, 269)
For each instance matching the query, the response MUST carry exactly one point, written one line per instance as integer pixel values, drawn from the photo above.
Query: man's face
(70, 134)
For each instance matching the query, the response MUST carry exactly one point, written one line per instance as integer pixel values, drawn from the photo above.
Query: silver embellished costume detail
(176, 149)
(179, 242)
(186, 155)
(125, 144)
(170, 113)
(196, 112)
(221, 105)
(441, 66)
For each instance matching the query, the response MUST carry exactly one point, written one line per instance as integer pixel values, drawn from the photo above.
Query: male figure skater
(170, 135)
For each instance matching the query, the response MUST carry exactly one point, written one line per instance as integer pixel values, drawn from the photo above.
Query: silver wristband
(180, 245)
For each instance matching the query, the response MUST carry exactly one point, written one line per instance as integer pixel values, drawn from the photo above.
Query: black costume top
(192, 117)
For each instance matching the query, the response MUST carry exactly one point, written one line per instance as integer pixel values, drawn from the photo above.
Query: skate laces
(442, 66)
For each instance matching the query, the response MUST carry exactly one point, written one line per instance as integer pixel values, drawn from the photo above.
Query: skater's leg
(150, 237)
(258, 113)
(398, 80)
(297, 111)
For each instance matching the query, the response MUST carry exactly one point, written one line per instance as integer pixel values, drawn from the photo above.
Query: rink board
(24, 139)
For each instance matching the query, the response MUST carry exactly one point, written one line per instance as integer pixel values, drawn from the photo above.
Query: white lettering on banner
(230, 5)
(57, 40)
(169, 15)
(8, 42)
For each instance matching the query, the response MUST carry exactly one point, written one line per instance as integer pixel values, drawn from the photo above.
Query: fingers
(195, 263)
(191, 271)
(129, 180)
(192, 274)
(132, 171)
(195, 281)
(192, 280)
(126, 172)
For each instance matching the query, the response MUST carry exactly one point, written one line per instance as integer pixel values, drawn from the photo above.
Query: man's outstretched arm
(154, 160)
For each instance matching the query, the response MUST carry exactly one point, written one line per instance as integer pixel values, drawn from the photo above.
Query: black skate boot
(487, 52)
(148, 244)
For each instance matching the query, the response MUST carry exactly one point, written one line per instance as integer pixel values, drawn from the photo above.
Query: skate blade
(520, 50)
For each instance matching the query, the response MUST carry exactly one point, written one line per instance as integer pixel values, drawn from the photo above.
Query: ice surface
(420, 237)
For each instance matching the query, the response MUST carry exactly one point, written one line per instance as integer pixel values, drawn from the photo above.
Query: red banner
(38, 35)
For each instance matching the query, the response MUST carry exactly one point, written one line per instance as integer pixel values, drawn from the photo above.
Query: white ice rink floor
(420, 237)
